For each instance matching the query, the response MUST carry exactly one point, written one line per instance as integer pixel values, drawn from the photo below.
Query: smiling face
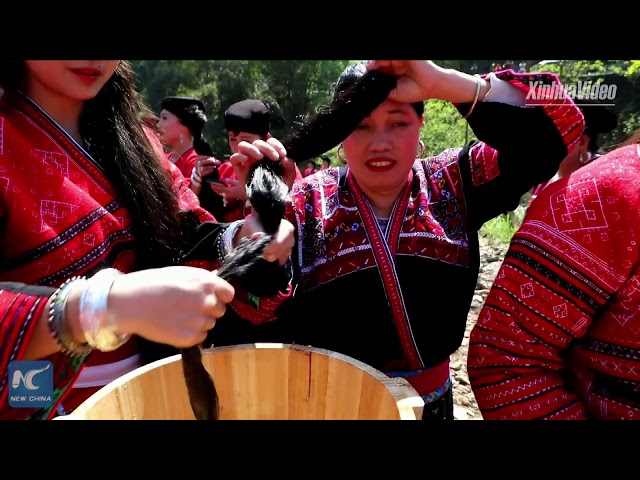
(75, 80)
(382, 149)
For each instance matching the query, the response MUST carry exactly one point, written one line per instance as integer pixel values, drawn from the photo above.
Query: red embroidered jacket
(186, 163)
(559, 334)
(60, 217)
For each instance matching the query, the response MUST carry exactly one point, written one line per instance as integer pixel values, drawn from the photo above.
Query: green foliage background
(296, 88)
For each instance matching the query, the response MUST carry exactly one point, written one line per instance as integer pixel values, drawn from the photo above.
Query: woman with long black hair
(94, 227)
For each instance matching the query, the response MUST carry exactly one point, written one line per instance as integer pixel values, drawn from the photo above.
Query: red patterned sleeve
(520, 145)
(569, 259)
(20, 307)
(259, 310)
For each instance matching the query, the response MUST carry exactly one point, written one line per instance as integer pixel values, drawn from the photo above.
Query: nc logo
(27, 378)
(31, 384)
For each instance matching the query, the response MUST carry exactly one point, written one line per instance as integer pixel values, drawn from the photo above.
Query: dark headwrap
(190, 111)
(251, 116)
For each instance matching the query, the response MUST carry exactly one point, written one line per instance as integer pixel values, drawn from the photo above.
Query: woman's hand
(174, 305)
(280, 248)
(415, 78)
(419, 80)
(205, 165)
(249, 153)
(234, 190)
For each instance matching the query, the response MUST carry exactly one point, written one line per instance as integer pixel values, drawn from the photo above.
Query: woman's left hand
(234, 190)
(250, 153)
(283, 241)
(206, 165)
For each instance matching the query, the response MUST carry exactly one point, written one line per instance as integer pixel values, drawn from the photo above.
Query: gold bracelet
(475, 99)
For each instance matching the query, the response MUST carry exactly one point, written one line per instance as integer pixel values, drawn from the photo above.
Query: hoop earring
(422, 149)
(339, 155)
(585, 157)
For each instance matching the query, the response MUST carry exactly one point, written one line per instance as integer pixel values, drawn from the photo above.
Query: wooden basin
(269, 381)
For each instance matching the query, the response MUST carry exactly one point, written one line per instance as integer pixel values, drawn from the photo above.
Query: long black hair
(110, 122)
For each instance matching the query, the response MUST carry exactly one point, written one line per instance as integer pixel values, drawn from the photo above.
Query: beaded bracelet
(226, 240)
(58, 326)
(218, 247)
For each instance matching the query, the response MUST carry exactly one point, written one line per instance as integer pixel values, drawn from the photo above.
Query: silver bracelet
(226, 244)
(95, 319)
(193, 177)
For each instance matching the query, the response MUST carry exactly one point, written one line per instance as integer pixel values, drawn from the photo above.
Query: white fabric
(100, 375)
(503, 92)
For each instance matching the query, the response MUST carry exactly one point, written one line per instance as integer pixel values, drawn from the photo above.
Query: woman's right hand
(173, 305)
(420, 80)
(250, 153)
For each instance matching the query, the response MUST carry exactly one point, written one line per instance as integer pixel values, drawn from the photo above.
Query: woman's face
(237, 137)
(170, 129)
(382, 149)
(78, 80)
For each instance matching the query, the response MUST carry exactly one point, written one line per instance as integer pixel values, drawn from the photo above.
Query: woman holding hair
(394, 238)
(94, 225)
